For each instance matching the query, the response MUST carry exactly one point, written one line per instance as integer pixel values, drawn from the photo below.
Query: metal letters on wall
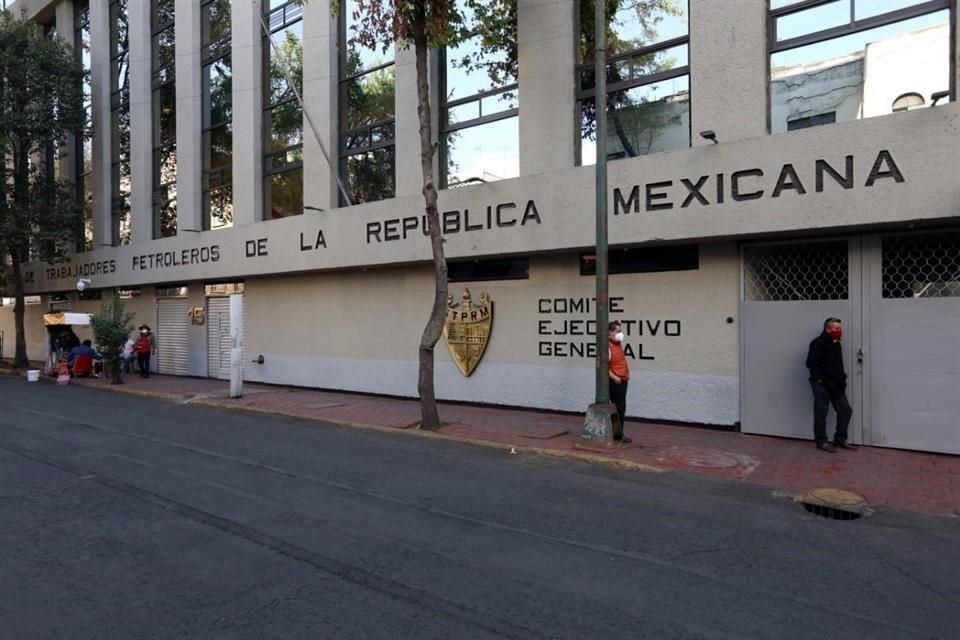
(467, 330)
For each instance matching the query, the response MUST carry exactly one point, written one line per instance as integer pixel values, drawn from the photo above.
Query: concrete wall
(360, 330)
(899, 177)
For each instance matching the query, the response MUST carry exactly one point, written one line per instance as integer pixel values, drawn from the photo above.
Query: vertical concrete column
(955, 48)
(141, 123)
(320, 67)
(64, 22)
(100, 100)
(409, 178)
(247, 34)
(189, 117)
(546, 43)
(728, 69)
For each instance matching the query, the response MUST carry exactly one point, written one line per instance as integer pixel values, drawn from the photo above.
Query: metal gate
(173, 336)
(901, 336)
(788, 291)
(218, 338)
(913, 318)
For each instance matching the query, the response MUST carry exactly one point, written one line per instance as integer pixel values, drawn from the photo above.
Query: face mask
(618, 336)
(144, 332)
(835, 333)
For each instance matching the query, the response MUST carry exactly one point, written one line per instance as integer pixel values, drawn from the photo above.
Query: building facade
(205, 176)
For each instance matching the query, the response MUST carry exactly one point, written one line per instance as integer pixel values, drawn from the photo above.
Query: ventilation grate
(807, 271)
(921, 266)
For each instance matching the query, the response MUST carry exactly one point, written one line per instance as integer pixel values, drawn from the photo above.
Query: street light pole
(602, 294)
(598, 425)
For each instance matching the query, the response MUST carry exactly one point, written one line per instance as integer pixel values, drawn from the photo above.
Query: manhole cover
(837, 504)
(704, 459)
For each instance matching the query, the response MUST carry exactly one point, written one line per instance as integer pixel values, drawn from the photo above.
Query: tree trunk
(115, 371)
(20, 360)
(430, 417)
(18, 249)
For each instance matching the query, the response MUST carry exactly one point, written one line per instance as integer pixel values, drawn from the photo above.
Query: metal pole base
(598, 425)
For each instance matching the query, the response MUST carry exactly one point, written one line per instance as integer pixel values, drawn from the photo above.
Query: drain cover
(835, 503)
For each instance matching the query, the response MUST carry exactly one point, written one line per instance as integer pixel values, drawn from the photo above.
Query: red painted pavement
(906, 480)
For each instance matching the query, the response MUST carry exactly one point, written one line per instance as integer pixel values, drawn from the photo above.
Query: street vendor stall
(60, 335)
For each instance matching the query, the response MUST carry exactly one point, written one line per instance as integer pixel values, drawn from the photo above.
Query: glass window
(480, 102)
(841, 60)
(163, 59)
(119, 123)
(483, 153)
(83, 148)
(648, 80)
(217, 88)
(490, 269)
(681, 257)
(282, 115)
(908, 101)
(367, 99)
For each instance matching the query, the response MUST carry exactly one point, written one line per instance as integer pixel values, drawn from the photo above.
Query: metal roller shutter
(173, 337)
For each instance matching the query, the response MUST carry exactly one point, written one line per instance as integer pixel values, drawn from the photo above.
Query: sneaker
(826, 446)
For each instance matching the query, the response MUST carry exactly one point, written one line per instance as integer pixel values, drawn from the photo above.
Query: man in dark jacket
(829, 383)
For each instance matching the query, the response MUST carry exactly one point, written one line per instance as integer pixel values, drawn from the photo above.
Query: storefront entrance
(899, 298)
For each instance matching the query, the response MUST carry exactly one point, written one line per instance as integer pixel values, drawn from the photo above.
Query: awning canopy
(65, 318)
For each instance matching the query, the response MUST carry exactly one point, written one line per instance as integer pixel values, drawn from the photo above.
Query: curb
(556, 453)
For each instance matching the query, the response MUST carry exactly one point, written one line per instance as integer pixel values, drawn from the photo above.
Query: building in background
(204, 178)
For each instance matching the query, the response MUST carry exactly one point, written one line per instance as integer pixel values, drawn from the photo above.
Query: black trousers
(822, 399)
(143, 361)
(618, 396)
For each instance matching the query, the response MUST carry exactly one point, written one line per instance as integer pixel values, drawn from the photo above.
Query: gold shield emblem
(467, 330)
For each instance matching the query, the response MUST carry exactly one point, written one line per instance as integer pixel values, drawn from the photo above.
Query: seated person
(81, 359)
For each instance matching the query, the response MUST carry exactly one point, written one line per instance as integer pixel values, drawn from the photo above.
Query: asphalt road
(123, 517)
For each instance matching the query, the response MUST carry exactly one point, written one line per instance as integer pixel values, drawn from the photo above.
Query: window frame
(853, 26)
(580, 95)
(120, 203)
(161, 78)
(212, 52)
(81, 24)
(446, 128)
(388, 126)
(271, 167)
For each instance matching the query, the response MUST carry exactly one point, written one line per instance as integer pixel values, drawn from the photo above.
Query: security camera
(82, 284)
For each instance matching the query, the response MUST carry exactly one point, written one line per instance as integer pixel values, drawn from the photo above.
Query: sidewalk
(905, 480)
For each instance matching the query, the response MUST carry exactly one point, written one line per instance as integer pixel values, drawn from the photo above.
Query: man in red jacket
(619, 375)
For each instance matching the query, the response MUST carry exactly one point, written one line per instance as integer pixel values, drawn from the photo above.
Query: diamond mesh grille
(807, 271)
(921, 266)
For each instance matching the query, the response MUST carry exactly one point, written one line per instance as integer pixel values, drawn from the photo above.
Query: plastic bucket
(33, 375)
